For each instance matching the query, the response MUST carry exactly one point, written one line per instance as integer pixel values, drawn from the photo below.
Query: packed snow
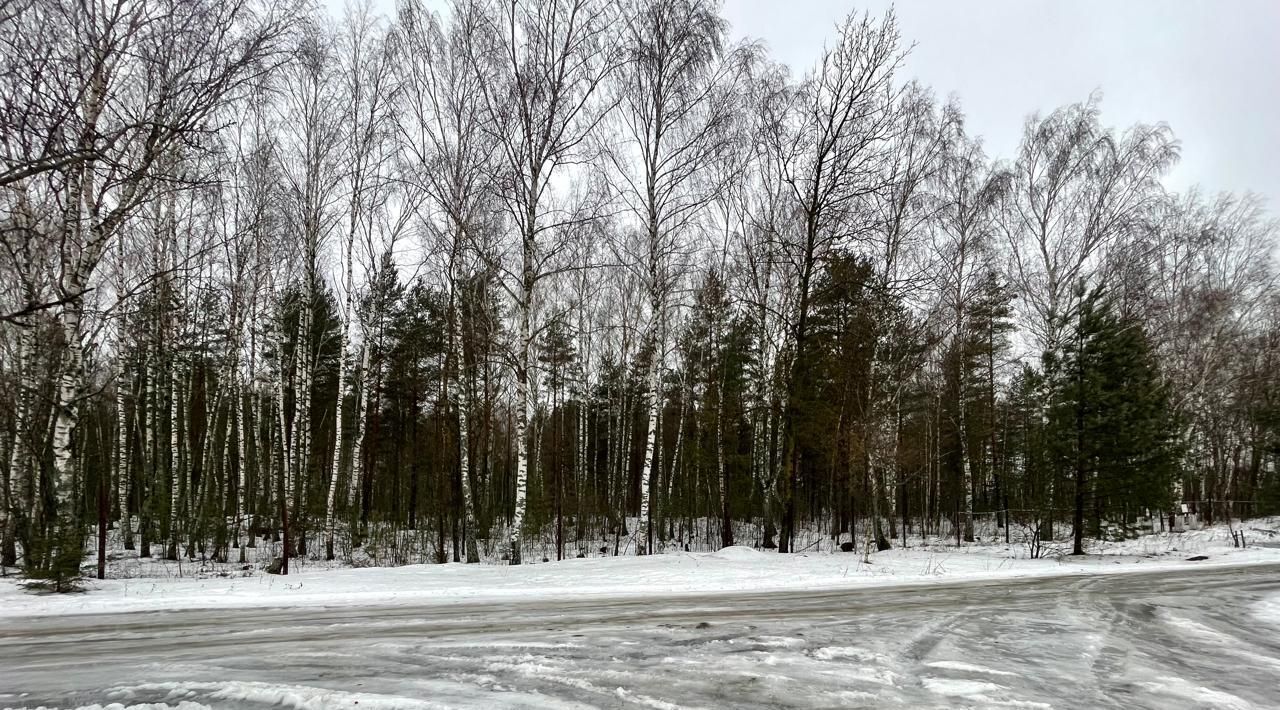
(1201, 638)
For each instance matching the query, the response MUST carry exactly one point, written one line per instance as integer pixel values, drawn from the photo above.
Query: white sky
(1208, 68)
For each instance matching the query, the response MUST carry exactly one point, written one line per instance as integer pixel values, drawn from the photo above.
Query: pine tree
(1113, 428)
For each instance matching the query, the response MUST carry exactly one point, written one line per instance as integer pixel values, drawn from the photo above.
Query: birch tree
(542, 64)
(309, 153)
(153, 75)
(968, 190)
(675, 103)
(1077, 190)
(454, 152)
(366, 70)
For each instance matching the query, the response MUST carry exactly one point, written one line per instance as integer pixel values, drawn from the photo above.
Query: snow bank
(736, 552)
(731, 569)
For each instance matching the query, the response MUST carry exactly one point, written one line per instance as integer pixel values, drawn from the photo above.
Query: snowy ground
(158, 585)
(1201, 638)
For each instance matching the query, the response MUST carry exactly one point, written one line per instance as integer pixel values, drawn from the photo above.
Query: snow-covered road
(1207, 638)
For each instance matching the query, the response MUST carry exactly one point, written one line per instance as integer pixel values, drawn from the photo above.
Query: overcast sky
(1208, 68)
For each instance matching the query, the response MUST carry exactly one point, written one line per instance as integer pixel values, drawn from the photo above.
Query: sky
(1211, 70)
(1208, 68)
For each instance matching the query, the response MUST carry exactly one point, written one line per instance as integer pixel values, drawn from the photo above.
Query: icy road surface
(1199, 639)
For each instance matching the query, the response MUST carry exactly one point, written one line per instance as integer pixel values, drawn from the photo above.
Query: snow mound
(736, 552)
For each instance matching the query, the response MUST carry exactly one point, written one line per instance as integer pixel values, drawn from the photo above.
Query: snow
(831, 653)
(1110, 640)
(183, 705)
(732, 569)
(947, 686)
(967, 668)
(296, 697)
(736, 552)
(1268, 610)
(1182, 691)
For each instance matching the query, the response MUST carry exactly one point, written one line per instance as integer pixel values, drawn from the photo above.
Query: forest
(533, 279)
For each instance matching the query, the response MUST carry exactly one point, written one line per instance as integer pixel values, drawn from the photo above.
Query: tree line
(533, 274)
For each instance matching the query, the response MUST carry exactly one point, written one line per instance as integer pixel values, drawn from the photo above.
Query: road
(1206, 638)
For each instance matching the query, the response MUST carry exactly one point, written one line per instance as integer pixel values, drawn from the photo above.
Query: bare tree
(829, 135)
(366, 70)
(542, 64)
(1077, 191)
(676, 102)
(144, 80)
(968, 191)
(1203, 276)
(309, 152)
(454, 154)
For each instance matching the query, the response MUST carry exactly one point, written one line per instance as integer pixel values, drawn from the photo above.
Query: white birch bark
(242, 475)
(357, 446)
(891, 469)
(262, 455)
(965, 468)
(121, 453)
(151, 419)
(726, 531)
(286, 444)
(68, 410)
(522, 471)
(464, 437)
(175, 389)
(645, 534)
(347, 313)
(21, 481)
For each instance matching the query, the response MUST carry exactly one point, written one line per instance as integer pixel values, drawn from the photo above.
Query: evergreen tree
(1112, 425)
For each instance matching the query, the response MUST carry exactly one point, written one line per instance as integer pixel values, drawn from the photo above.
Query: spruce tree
(1112, 427)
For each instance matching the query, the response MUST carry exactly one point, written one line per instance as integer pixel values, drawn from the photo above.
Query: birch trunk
(175, 387)
(654, 400)
(21, 479)
(301, 448)
(8, 545)
(122, 455)
(726, 521)
(242, 474)
(676, 458)
(357, 446)
(330, 505)
(966, 468)
(524, 403)
(150, 474)
(285, 477)
(582, 468)
(68, 411)
(891, 468)
(464, 443)
(262, 473)
(966, 471)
